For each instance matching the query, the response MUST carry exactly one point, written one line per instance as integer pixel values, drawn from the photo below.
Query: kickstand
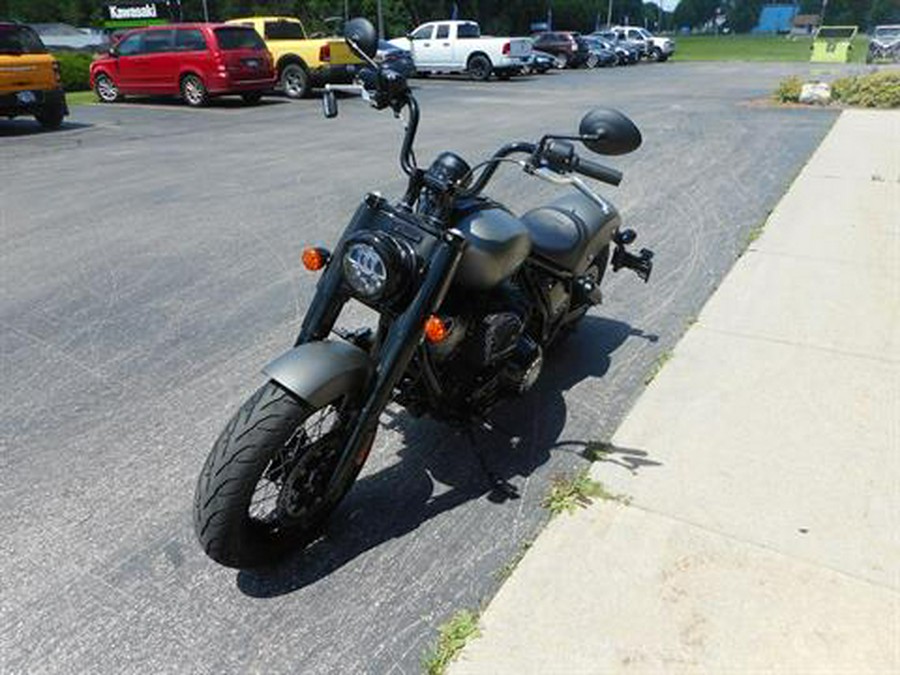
(501, 489)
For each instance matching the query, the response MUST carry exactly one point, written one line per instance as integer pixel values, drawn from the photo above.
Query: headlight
(365, 271)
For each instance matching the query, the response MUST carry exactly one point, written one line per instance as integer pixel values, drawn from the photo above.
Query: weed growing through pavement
(504, 572)
(568, 494)
(754, 234)
(657, 366)
(453, 636)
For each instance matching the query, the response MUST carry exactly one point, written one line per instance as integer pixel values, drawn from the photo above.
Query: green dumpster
(831, 44)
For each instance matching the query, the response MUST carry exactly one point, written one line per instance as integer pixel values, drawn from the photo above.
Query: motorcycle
(469, 298)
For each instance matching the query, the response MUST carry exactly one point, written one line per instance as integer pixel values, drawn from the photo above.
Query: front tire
(592, 61)
(262, 489)
(106, 90)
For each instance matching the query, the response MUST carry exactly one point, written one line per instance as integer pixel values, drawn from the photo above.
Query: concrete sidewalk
(767, 538)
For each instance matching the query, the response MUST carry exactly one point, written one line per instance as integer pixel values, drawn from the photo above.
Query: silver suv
(884, 44)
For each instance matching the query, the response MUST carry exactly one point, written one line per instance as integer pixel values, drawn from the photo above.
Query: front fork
(394, 354)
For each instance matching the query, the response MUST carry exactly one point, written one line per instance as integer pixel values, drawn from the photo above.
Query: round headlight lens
(365, 270)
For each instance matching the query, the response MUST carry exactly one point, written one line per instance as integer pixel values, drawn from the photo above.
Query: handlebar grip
(597, 171)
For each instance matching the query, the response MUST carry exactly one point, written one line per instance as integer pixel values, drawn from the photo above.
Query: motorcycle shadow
(438, 469)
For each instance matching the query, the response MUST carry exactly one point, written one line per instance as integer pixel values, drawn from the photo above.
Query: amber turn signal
(315, 259)
(435, 329)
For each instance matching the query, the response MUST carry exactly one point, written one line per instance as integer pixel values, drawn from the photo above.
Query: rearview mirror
(361, 36)
(609, 132)
(329, 104)
(113, 51)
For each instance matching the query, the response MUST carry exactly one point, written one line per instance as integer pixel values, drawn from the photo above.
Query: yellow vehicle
(29, 77)
(303, 63)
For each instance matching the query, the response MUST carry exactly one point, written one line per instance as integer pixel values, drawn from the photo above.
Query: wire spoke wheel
(265, 486)
(294, 482)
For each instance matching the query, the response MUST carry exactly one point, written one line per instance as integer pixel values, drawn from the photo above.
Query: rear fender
(320, 372)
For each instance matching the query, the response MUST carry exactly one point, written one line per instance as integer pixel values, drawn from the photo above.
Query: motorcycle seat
(570, 231)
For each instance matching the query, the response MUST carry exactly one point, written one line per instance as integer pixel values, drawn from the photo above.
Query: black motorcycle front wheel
(262, 490)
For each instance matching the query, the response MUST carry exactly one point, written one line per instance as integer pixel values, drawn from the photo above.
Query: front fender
(320, 372)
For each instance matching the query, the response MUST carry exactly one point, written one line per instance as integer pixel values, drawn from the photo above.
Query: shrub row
(74, 68)
(875, 90)
(788, 90)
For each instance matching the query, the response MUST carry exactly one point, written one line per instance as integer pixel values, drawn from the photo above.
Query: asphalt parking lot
(150, 268)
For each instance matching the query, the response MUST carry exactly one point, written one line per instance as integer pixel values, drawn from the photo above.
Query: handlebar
(384, 88)
(596, 171)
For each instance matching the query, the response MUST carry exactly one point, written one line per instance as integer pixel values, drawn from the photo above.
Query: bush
(74, 68)
(875, 90)
(788, 90)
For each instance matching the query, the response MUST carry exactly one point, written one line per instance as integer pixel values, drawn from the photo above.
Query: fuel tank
(498, 243)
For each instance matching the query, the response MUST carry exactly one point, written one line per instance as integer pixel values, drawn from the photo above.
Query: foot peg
(641, 264)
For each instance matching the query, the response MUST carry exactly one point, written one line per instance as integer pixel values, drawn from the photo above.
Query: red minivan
(193, 60)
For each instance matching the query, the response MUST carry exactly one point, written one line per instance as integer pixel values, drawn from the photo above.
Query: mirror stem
(359, 52)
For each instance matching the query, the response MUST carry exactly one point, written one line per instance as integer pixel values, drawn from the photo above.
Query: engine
(488, 352)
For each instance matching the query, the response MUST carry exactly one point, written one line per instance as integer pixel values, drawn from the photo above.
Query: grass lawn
(752, 48)
(80, 97)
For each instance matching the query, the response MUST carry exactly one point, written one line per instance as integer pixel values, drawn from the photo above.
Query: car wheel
(662, 58)
(51, 117)
(655, 54)
(252, 97)
(193, 91)
(592, 61)
(562, 60)
(295, 81)
(479, 68)
(106, 90)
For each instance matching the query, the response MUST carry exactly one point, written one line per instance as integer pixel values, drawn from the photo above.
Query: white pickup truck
(457, 46)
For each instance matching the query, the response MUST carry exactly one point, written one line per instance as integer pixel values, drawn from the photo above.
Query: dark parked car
(626, 54)
(397, 59)
(565, 46)
(598, 54)
(635, 50)
(540, 62)
(193, 60)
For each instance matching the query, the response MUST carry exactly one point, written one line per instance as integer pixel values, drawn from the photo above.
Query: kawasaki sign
(126, 14)
(147, 11)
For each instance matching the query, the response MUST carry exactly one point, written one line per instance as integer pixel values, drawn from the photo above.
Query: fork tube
(403, 338)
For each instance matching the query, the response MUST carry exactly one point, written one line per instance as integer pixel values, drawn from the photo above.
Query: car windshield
(468, 30)
(20, 40)
(238, 38)
(888, 32)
